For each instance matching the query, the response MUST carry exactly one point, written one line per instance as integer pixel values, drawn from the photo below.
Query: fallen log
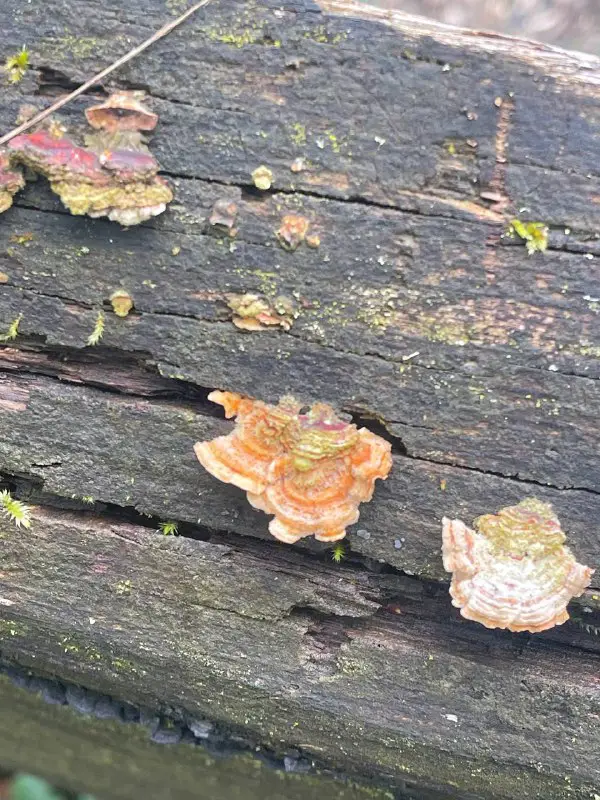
(402, 150)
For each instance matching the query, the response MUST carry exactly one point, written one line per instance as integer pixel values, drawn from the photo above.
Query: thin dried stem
(97, 78)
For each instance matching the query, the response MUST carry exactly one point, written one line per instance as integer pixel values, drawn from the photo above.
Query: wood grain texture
(416, 144)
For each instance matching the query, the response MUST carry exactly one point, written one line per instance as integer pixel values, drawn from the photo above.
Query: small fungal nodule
(514, 571)
(11, 181)
(292, 231)
(255, 312)
(307, 467)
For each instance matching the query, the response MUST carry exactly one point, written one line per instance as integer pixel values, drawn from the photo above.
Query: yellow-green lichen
(176, 7)
(75, 46)
(298, 134)
(9, 627)
(267, 280)
(323, 36)
(253, 33)
(375, 306)
(123, 588)
(454, 332)
(122, 665)
(333, 140)
(85, 652)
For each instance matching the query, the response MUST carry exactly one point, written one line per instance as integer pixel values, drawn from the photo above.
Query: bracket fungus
(114, 175)
(11, 181)
(292, 231)
(515, 571)
(255, 312)
(305, 466)
(121, 302)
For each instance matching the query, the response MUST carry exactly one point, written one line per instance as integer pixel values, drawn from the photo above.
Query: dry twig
(97, 78)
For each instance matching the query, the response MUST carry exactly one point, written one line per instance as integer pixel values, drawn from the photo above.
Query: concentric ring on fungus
(515, 571)
(308, 468)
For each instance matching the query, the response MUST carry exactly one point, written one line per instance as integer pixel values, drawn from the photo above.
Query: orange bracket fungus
(114, 175)
(292, 232)
(515, 572)
(305, 466)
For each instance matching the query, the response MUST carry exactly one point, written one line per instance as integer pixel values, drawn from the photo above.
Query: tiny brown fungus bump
(292, 231)
(262, 177)
(22, 238)
(122, 111)
(514, 571)
(307, 467)
(223, 214)
(298, 164)
(56, 129)
(122, 302)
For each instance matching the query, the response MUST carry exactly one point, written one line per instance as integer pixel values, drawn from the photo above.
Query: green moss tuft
(535, 234)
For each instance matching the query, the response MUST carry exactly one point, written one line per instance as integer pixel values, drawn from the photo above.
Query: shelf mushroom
(305, 466)
(514, 571)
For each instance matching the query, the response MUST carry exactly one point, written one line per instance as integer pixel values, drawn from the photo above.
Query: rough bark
(480, 363)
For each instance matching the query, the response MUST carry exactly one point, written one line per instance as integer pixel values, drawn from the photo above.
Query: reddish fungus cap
(122, 111)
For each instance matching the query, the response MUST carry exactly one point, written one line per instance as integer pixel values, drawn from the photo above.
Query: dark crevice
(378, 427)
(27, 207)
(187, 394)
(53, 83)
(513, 476)
(135, 376)
(30, 489)
(251, 194)
(409, 605)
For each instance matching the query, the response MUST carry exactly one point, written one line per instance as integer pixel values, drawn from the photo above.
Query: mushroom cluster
(113, 176)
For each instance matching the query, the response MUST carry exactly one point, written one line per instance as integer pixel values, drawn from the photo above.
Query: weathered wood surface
(420, 144)
(121, 762)
(233, 636)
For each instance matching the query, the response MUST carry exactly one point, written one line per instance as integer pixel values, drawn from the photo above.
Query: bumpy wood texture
(408, 147)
